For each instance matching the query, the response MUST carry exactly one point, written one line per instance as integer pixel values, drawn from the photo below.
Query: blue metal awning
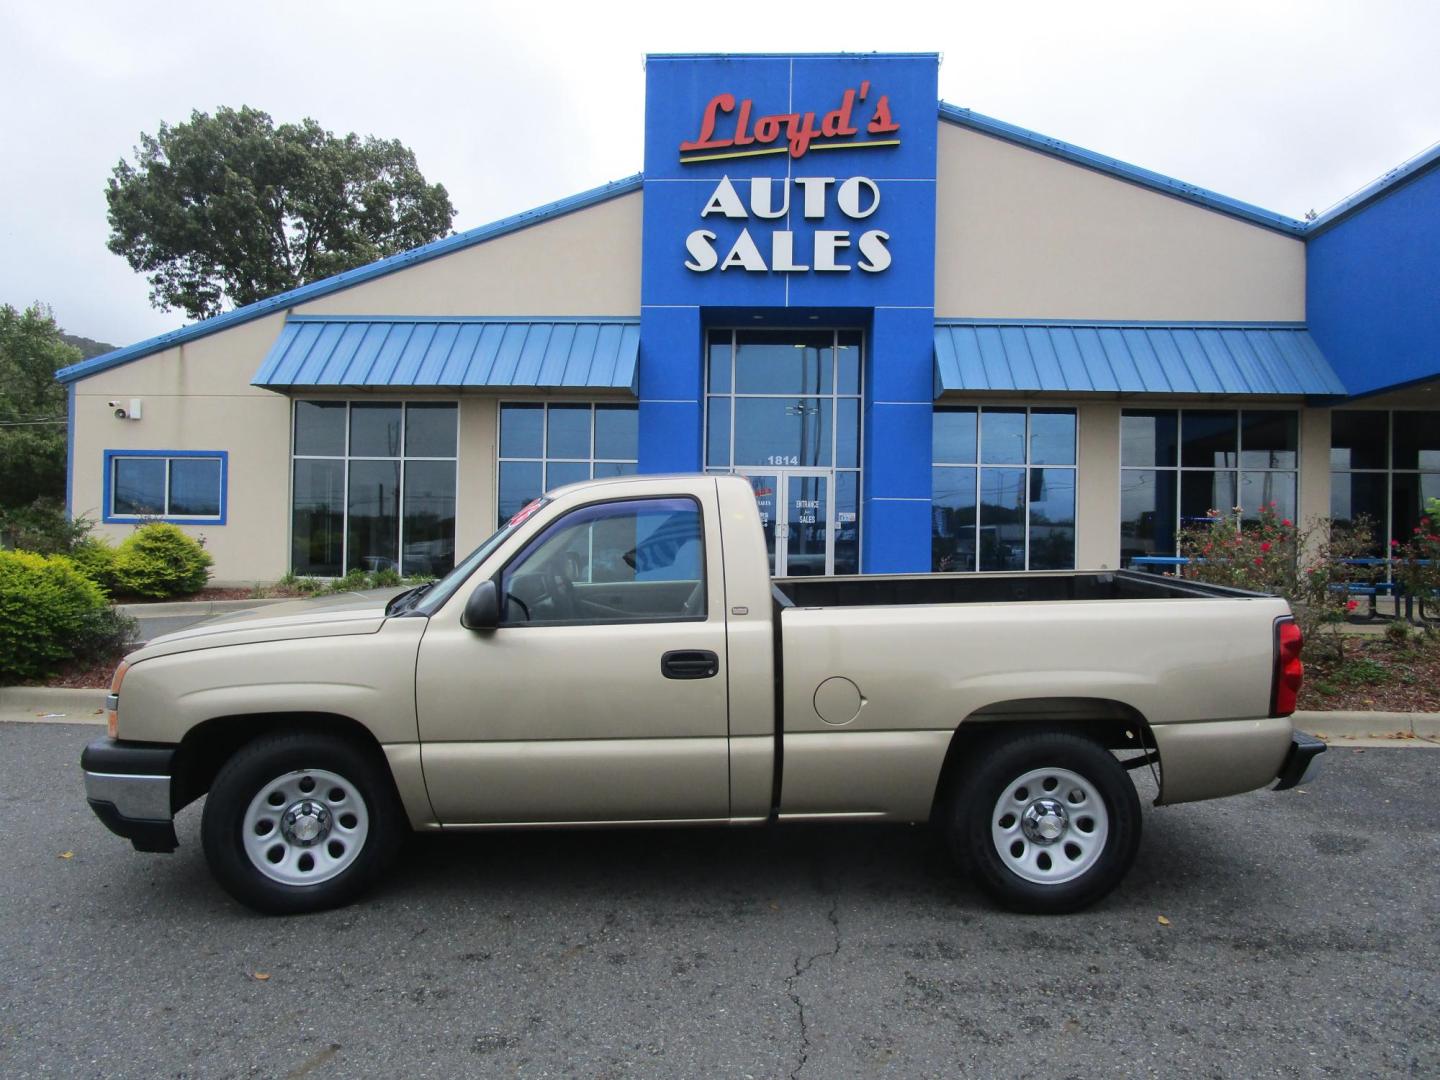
(1130, 358)
(451, 353)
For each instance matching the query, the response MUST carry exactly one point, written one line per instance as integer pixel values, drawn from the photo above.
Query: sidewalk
(47, 705)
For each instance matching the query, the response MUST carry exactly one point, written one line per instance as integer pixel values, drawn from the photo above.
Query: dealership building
(931, 339)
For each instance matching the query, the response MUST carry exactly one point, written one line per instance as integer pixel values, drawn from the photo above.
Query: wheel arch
(1116, 725)
(206, 747)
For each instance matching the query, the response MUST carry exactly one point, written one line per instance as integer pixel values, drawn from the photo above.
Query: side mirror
(482, 609)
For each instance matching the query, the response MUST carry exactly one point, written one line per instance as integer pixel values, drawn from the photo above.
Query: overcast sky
(1287, 105)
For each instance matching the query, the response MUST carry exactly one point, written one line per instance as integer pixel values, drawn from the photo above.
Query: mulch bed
(207, 593)
(1377, 675)
(86, 676)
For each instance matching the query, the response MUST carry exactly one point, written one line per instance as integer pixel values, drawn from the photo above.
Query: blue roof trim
(1122, 170)
(325, 287)
(1025, 356)
(794, 56)
(1406, 171)
(441, 353)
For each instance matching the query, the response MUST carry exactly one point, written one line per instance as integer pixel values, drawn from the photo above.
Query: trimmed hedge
(51, 613)
(159, 560)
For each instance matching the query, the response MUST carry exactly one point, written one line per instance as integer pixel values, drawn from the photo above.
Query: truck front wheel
(298, 822)
(1045, 821)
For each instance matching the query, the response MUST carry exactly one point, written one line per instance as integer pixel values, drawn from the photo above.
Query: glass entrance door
(797, 516)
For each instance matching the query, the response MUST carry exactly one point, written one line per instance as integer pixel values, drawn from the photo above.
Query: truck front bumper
(128, 787)
(1304, 749)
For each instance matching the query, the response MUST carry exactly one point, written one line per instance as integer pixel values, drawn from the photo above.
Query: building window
(544, 445)
(1176, 465)
(186, 486)
(783, 408)
(1002, 489)
(374, 487)
(1383, 468)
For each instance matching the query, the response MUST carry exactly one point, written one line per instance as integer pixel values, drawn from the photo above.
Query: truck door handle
(690, 664)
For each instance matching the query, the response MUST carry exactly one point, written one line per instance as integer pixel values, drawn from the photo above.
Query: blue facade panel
(1372, 290)
(671, 389)
(796, 191)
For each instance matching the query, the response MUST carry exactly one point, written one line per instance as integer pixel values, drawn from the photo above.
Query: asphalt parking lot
(1303, 940)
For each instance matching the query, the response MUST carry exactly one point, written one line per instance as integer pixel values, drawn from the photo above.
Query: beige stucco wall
(585, 263)
(198, 396)
(1021, 234)
(1097, 486)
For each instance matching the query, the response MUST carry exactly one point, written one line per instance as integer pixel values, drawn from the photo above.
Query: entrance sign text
(835, 131)
(856, 198)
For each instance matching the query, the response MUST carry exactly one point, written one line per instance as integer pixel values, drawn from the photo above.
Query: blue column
(672, 389)
(899, 401)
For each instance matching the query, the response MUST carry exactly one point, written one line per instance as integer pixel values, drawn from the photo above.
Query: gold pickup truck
(618, 654)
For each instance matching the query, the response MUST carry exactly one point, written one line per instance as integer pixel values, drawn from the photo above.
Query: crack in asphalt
(801, 967)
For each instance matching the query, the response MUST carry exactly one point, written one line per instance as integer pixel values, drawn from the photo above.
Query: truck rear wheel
(1045, 821)
(300, 822)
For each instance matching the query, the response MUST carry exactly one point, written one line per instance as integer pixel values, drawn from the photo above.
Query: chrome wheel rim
(1049, 826)
(305, 827)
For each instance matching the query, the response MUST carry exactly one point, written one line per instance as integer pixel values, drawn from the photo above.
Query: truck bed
(923, 589)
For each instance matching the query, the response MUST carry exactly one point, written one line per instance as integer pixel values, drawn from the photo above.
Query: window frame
(539, 538)
(979, 465)
(1385, 534)
(1179, 469)
(834, 397)
(107, 507)
(545, 460)
(346, 458)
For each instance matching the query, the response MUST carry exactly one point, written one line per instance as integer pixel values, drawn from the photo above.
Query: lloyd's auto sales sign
(789, 181)
(730, 131)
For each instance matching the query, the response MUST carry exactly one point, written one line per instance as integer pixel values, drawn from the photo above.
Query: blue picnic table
(1369, 589)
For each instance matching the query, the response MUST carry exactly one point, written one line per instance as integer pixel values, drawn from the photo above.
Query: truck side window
(639, 560)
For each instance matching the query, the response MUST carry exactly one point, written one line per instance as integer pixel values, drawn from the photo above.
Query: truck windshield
(443, 589)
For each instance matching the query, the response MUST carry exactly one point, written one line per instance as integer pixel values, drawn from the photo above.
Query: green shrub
(94, 557)
(158, 560)
(42, 527)
(51, 613)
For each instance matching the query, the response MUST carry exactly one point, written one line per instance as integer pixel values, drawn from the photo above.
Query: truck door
(602, 695)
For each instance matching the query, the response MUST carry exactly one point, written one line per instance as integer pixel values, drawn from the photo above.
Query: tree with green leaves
(230, 209)
(32, 406)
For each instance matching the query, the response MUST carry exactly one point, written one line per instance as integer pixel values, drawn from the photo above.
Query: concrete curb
(51, 705)
(196, 607)
(1341, 724)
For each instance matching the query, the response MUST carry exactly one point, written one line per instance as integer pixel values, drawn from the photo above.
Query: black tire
(991, 770)
(259, 764)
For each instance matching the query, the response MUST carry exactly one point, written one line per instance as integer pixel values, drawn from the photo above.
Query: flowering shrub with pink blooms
(1271, 554)
(1417, 559)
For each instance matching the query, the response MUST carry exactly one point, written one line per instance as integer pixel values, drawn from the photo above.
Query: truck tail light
(112, 702)
(1289, 671)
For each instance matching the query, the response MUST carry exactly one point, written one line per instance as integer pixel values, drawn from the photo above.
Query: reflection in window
(993, 505)
(373, 487)
(1177, 465)
(635, 561)
(180, 486)
(545, 445)
(790, 399)
(1384, 465)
